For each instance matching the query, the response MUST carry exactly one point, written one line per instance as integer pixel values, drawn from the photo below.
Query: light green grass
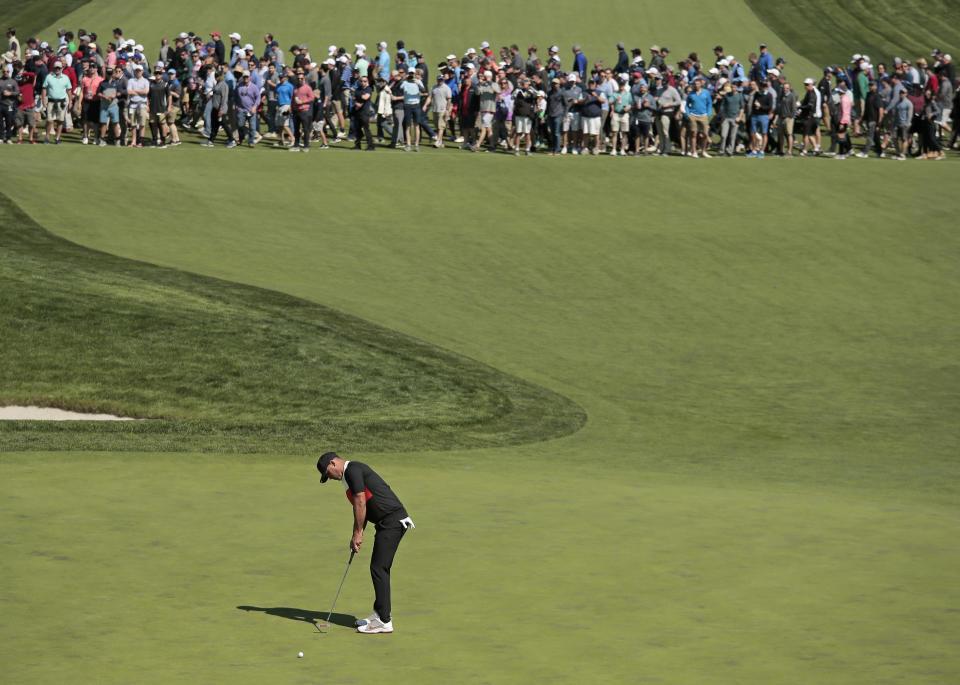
(831, 32)
(516, 572)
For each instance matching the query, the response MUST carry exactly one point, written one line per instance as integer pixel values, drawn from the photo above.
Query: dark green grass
(29, 17)
(229, 367)
(829, 32)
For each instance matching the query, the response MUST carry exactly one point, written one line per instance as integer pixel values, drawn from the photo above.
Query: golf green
(764, 489)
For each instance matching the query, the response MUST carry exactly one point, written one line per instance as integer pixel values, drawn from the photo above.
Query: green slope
(830, 32)
(227, 367)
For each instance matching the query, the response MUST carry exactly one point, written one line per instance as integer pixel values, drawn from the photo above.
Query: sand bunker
(50, 414)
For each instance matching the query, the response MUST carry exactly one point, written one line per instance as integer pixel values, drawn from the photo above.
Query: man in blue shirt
(699, 110)
(284, 98)
(580, 63)
(764, 61)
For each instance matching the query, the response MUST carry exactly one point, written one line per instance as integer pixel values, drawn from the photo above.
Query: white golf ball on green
(299, 655)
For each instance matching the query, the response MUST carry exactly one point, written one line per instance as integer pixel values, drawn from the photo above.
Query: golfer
(372, 500)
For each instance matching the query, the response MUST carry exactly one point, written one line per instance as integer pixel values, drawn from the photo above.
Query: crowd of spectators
(639, 103)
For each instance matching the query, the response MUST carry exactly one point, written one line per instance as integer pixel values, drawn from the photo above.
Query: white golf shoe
(375, 625)
(364, 621)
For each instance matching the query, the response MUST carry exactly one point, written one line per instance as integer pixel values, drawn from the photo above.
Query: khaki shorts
(158, 117)
(523, 124)
(57, 111)
(619, 122)
(786, 125)
(486, 119)
(441, 118)
(171, 117)
(590, 125)
(699, 123)
(138, 116)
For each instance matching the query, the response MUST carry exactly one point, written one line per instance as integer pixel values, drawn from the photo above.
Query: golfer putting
(372, 500)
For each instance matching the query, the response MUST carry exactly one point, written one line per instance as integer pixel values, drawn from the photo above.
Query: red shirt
(29, 79)
(72, 75)
(90, 85)
(305, 93)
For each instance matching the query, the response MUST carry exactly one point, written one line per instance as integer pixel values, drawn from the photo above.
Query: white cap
(856, 58)
(865, 58)
(714, 70)
(234, 35)
(721, 81)
(138, 47)
(774, 71)
(360, 48)
(948, 58)
(554, 48)
(44, 45)
(724, 62)
(313, 65)
(249, 47)
(488, 73)
(653, 70)
(137, 67)
(332, 50)
(34, 53)
(469, 65)
(730, 58)
(471, 51)
(183, 34)
(484, 44)
(381, 45)
(159, 65)
(343, 58)
(808, 82)
(450, 57)
(571, 77)
(330, 62)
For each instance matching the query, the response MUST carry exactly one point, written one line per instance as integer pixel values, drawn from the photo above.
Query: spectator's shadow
(346, 620)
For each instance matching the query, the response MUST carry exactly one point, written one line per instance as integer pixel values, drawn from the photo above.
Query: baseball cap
(234, 35)
(808, 81)
(730, 58)
(331, 50)
(249, 47)
(763, 45)
(554, 48)
(343, 58)
(856, 58)
(381, 45)
(775, 72)
(653, 70)
(620, 45)
(171, 71)
(724, 62)
(450, 57)
(215, 33)
(330, 62)
(138, 67)
(158, 65)
(484, 44)
(323, 462)
(471, 51)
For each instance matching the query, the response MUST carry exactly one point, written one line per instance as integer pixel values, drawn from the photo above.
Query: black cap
(718, 47)
(323, 462)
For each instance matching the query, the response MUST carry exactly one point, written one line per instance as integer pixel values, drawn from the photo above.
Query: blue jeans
(248, 120)
(556, 130)
(207, 110)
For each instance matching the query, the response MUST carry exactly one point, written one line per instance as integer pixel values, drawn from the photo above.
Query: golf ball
(299, 655)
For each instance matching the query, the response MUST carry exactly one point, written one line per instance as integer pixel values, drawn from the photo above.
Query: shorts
(57, 110)
(809, 126)
(902, 132)
(158, 117)
(523, 124)
(91, 111)
(486, 119)
(571, 121)
(642, 128)
(698, 123)
(760, 123)
(441, 118)
(590, 125)
(171, 117)
(786, 126)
(26, 117)
(138, 116)
(282, 118)
(110, 115)
(619, 122)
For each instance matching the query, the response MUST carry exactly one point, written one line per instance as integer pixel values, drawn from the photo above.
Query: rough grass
(30, 17)
(222, 366)
(829, 32)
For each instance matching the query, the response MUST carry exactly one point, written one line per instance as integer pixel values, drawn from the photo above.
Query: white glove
(407, 523)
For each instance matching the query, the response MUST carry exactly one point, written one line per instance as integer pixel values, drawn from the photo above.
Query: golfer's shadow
(346, 620)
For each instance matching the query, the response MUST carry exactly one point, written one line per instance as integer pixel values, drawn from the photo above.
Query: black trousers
(389, 534)
(361, 129)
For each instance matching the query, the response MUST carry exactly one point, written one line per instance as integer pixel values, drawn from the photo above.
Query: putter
(326, 624)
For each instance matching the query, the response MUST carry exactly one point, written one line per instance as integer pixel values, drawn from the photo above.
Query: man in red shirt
(302, 106)
(26, 116)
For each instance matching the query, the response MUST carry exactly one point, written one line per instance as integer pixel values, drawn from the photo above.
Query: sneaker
(458, 139)
(900, 158)
(406, 148)
(324, 147)
(416, 148)
(563, 151)
(760, 155)
(575, 151)
(231, 144)
(375, 625)
(294, 149)
(706, 154)
(364, 621)
(527, 154)
(840, 157)
(751, 154)
(102, 143)
(803, 153)
(85, 141)
(694, 155)
(862, 155)
(304, 149)
(257, 137)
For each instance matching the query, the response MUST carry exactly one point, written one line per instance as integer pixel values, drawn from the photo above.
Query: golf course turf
(757, 363)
